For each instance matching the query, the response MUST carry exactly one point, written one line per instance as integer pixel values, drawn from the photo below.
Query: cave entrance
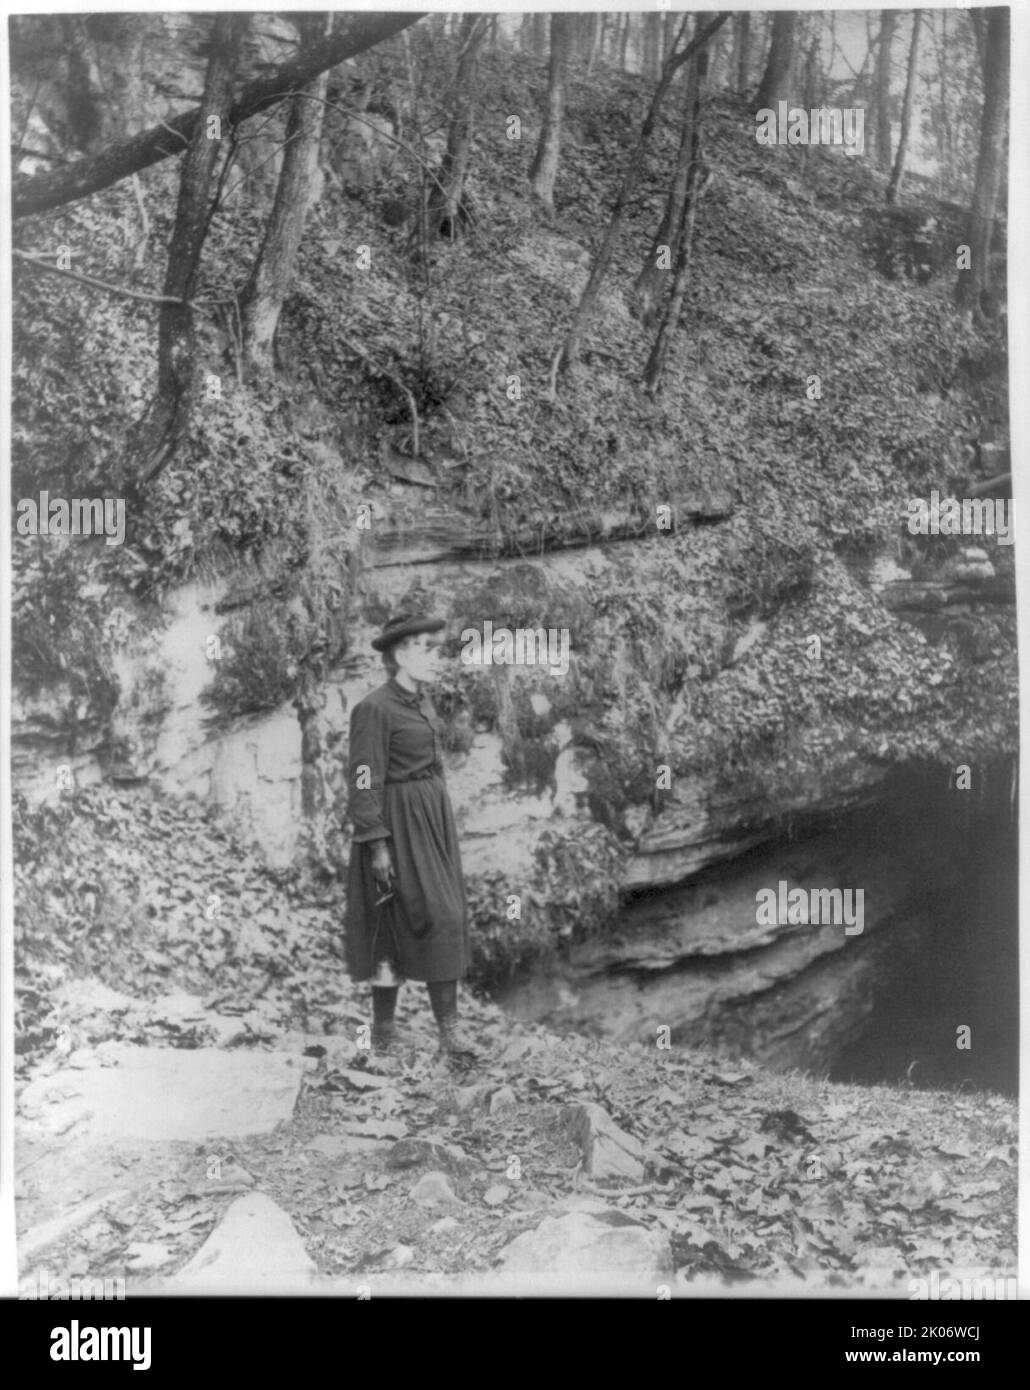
(958, 968)
(927, 995)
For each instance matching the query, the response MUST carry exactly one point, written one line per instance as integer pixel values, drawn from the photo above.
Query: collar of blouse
(410, 697)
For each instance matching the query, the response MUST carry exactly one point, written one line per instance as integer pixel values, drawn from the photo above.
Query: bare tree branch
(41, 192)
(106, 285)
(588, 299)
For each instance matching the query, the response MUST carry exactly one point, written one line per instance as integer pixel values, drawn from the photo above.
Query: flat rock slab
(107, 1011)
(166, 1094)
(590, 1250)
(255, 1248)
(608, 1151)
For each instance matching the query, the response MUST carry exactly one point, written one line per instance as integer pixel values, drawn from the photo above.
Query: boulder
(254, 1249)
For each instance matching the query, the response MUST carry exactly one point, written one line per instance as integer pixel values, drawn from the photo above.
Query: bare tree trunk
(974, 284)
(655, 365)
(888, 24)
(668, 33)
(539, 34)
(610, 51)
(979, 27)
(945, 135)
(898, 172)
(270, 277)
(593, 40)
(84, 119)
(647, 289)
(742, 50)
(775, 84)
(811, 77)
(445, 199)
(545, 163)
(652, 44)
(588, 300)
(624, 41)
(158, 435)
(603, 30)
(720, 62)
(858, 83)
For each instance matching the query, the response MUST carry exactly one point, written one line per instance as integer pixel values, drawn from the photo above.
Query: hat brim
(408, 629)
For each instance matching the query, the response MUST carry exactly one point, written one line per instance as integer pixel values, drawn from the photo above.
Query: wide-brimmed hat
(404, 625)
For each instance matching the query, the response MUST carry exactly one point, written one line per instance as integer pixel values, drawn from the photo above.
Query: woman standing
(407, 917)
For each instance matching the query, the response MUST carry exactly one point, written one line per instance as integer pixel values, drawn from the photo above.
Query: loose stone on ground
(608, 1151)
(254, 1249)
(598, 1248)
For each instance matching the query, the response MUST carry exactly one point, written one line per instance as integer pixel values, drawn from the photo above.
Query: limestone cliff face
(687, 951)
(164, 729)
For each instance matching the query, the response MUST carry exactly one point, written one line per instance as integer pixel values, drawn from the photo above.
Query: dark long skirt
(423, 929)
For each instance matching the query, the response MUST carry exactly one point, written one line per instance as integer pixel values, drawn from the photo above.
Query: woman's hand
(382, 867)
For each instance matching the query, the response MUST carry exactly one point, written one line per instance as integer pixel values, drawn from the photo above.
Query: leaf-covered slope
(781, 291)
(784, 291)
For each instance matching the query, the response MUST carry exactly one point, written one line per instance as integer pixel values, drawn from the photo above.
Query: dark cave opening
(926, 994)
(946, 1008)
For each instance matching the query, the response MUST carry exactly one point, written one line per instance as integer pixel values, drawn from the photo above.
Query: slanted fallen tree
(42, 192)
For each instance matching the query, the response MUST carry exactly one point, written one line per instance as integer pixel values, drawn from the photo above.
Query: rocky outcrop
(961, 602)
(701, 825)
(698, 963)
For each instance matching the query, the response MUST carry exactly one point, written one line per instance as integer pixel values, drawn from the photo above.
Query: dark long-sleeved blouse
(394, 733)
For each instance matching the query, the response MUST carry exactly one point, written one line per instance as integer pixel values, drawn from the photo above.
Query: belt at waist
(433, 771)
